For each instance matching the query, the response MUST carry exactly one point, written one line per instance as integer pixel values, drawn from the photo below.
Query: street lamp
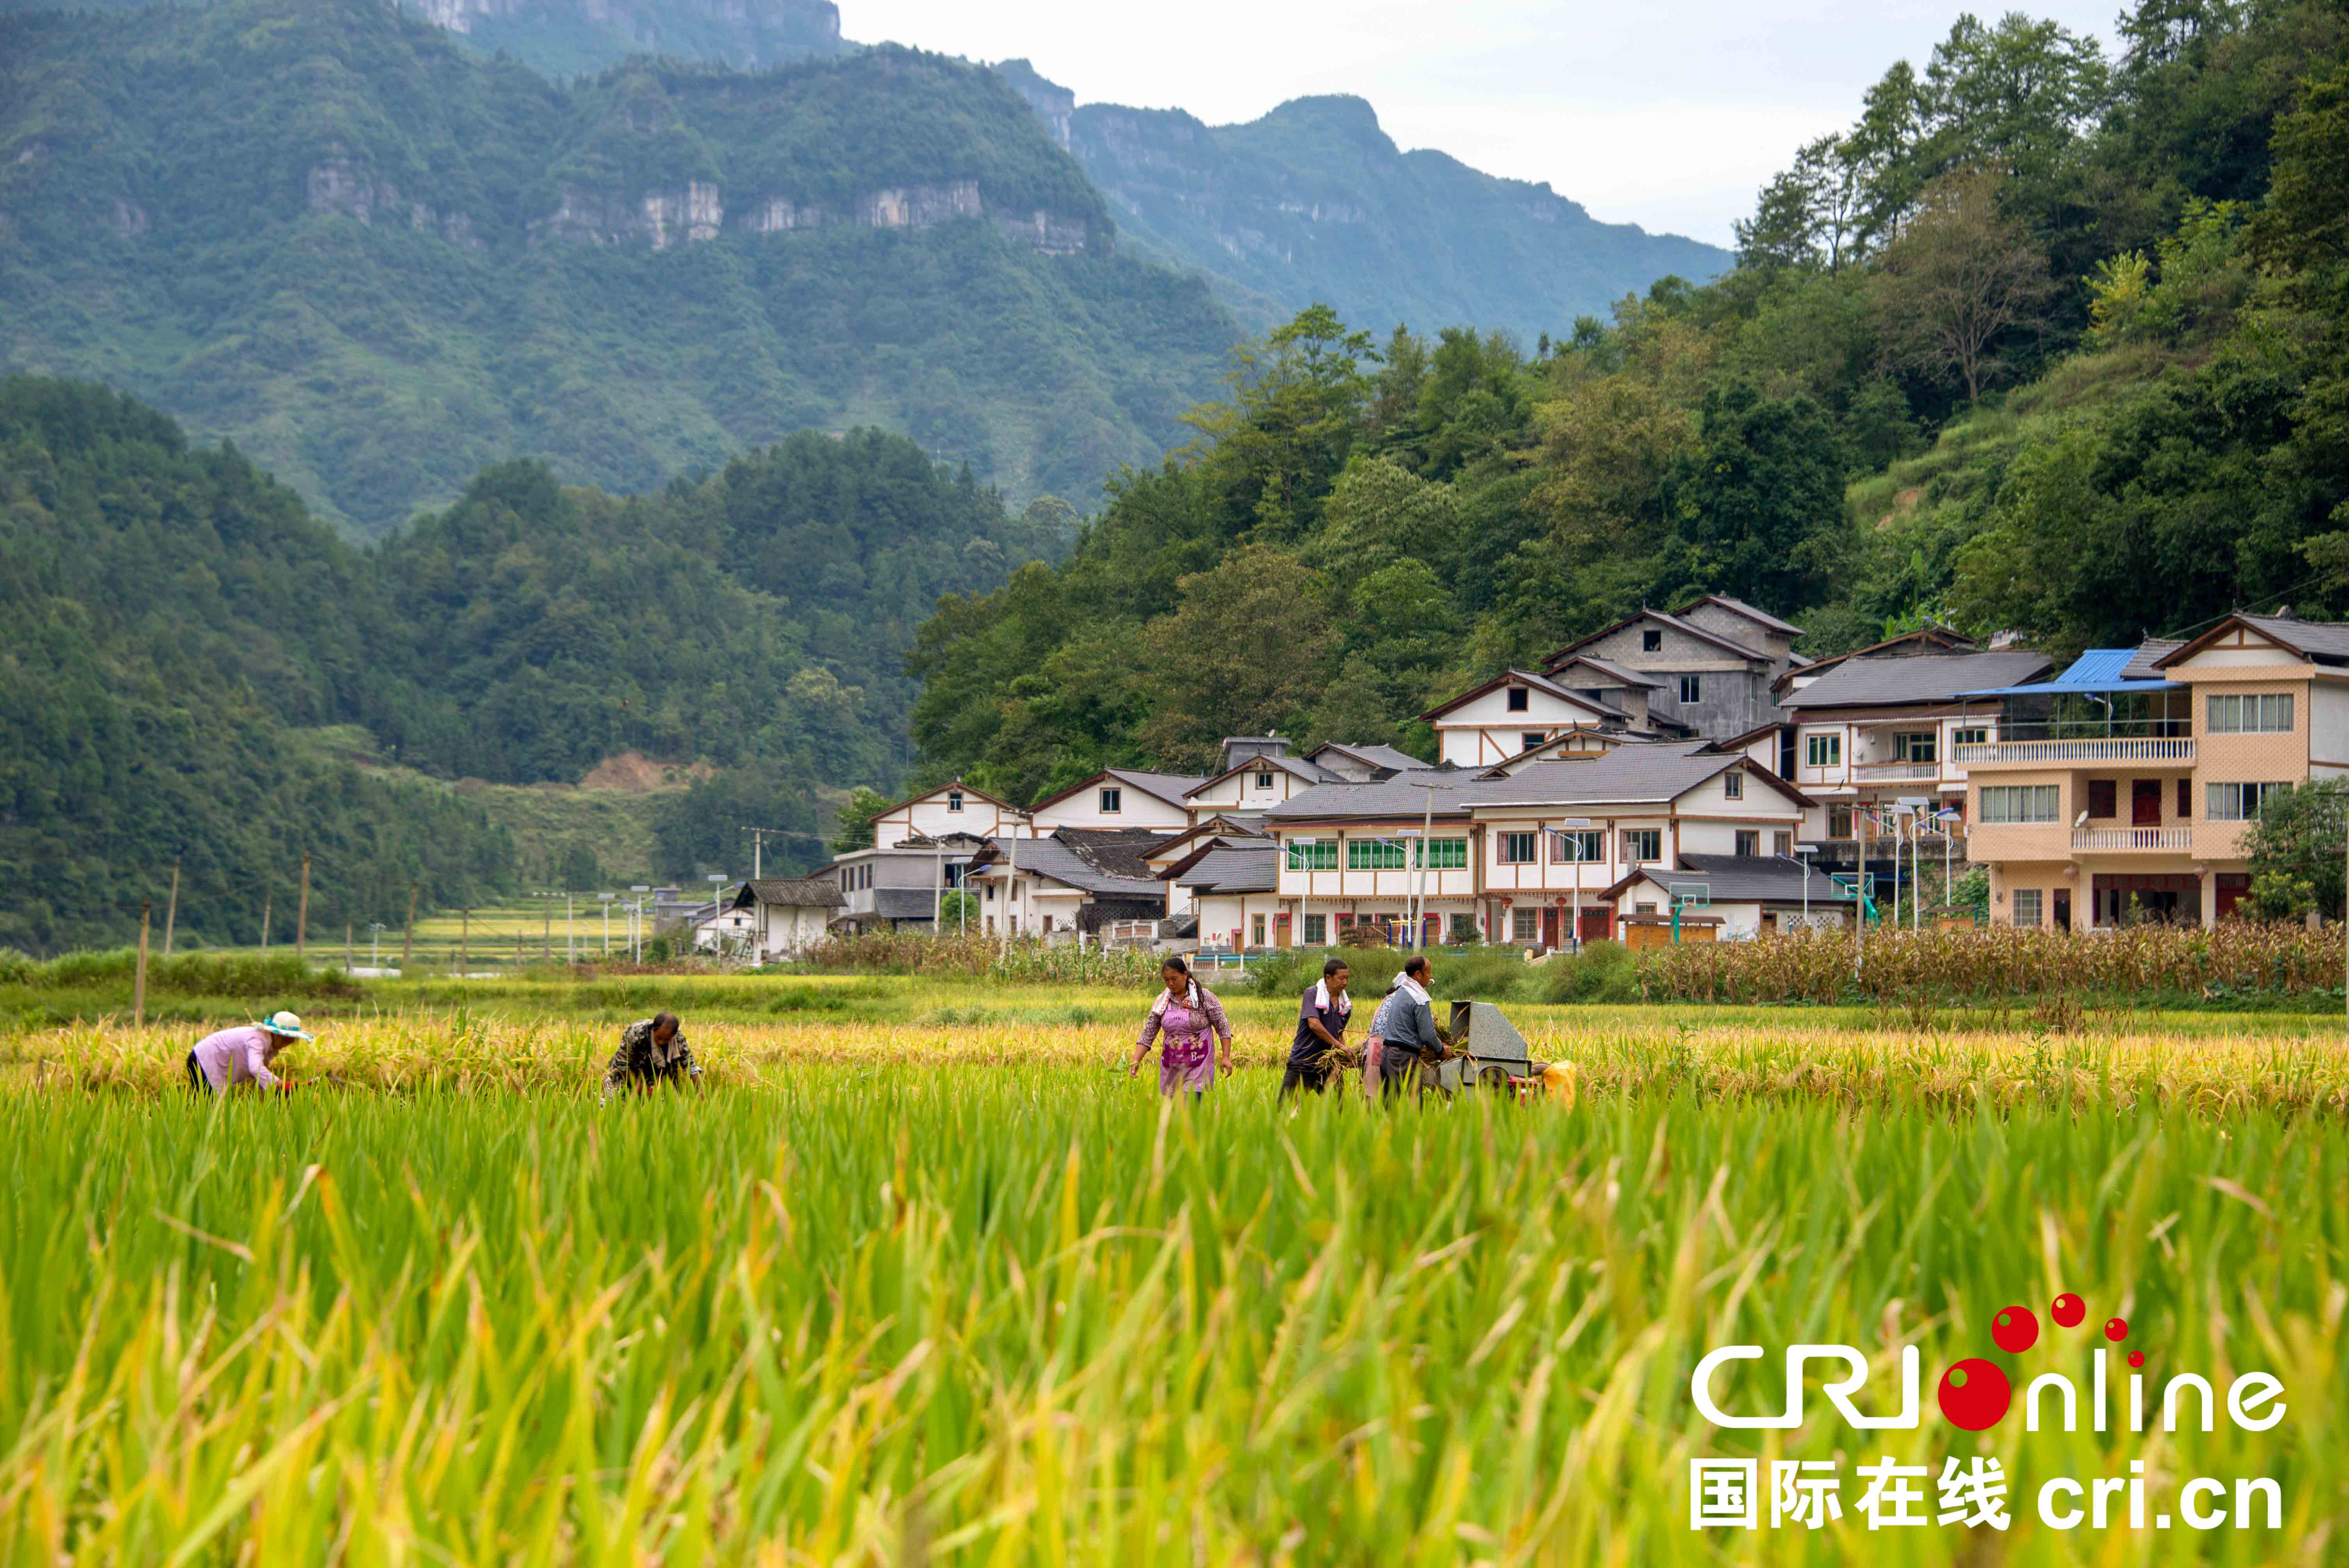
(605, 900)
(1574, 936)
(1913, 807)
(375, 940)
(1805, 851)
(636, 922)
(716, 910)
(1945, 816)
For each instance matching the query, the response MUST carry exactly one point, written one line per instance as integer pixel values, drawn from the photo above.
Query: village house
(1258, 774)
(1518, 711)
(1351, 853)
(1715, 661)
(787, 916)
(2122, 791)
(1553, 838)
(1076, 880)
(1880, 731)
(1738, 897)
(1232, 889)
(1120, 798)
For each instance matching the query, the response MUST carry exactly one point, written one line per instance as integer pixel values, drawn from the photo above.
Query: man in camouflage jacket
(652, 1051)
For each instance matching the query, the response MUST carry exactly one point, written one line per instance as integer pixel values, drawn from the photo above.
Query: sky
(1670, 114)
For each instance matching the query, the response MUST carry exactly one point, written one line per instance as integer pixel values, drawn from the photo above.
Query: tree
(1809, 216)
(2296, 849)
(1760, 502)
(1246, 653)
(852, 828)
(1959, 280)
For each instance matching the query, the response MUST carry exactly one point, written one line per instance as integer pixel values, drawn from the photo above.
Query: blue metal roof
(2097, 670)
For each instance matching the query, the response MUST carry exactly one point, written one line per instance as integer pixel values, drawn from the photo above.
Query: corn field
(952, 1294)
(2237, 958)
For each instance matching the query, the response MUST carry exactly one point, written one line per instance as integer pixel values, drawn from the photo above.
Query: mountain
(381, 263)
(200, 670)
(1315, 202)
(566, 38)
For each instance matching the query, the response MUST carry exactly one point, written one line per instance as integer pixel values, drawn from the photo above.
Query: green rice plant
(1036, 1315)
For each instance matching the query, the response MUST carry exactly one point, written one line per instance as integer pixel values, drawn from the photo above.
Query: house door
(2062, 910)
(2145, 803)
(1280, 931)
(1598, 924)
(1549, 928)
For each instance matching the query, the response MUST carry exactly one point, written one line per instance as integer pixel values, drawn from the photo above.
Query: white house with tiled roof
(1120, 798)
(1509, 714)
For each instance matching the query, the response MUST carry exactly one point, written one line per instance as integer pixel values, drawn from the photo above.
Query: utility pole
(570, 940)
(171, 910)
(408, 937)
(139, 987)
(350, 949)
(302, 912)
(1859, 909)
(1426, 834)
(464, 935)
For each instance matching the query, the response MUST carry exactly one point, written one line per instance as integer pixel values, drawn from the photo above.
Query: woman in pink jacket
(222, 1061)
(1187, 1014)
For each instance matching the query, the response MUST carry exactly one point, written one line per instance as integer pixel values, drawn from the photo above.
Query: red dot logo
(2015, 1329)
(2068, 1311)
(1974, 1395)
(2136, 1358)
(2116, 1329)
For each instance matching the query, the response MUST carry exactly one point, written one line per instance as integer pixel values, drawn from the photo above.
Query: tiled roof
(1539, 682)
(1736, 607)
(1647, 773)
(904, 903)
(1236, 867)
(1379, 756)
(1610, 669)
(1748, 879)
(1056, 859)
(804, 892)
(1311, 772)
(1916, 678)
(1661, 618)
(1404, 795)
(1118, 851)
(1168, 787)
(2324, 640)
(2140, 664)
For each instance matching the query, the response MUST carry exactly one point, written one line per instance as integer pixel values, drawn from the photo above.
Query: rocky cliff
(1314, 201)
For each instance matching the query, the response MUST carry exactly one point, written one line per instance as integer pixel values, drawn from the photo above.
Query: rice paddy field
(923, 1276)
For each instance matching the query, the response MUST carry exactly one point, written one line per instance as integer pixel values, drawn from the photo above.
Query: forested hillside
(1314, 203)
(189, 644)
(381, 263)
(2049, 342)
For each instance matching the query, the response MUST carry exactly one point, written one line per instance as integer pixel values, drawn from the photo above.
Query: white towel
(1166, 999)
(1321, 998)
(1418, 992)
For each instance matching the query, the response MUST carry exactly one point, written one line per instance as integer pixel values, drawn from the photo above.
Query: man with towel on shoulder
(1320, 1048)
(1403, 1027)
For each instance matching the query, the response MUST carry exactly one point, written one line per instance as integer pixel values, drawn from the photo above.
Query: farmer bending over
(222, 1061)
(652, 1050)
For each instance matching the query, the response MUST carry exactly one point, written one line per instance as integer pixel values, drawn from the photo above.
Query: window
(1692, 688)
(2184, 801)
(2103, 797)
(1444, 854)
(1517, 849)
(1644, 908)
(1567, 849)
(1519, 699)
(1255, 931)
(1652, 642)
(1529, 740)
(1264, 780)
(954, 800)
(2238, 803)
(1313, 854)
(1644, 844)
(1524, 924)
(1969, 737)
(1374, 855)
(1839, 821)
(1916, 745)
(1112, 799)
(2021, 804)
(1464, 930)
(1782, 843)
(1748, 843)
(991, 891)
(1823, 751)
(1317, 930)
(2251, 714)
(2027, 906)
(1732, 786)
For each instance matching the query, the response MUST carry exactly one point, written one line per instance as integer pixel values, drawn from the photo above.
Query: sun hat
(286, 1024)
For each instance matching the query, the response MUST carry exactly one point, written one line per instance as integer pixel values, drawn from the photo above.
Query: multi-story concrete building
(1713, 663)
(2123, 790)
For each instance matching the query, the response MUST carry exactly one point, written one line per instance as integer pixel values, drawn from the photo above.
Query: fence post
(138, 982)
(302, 912)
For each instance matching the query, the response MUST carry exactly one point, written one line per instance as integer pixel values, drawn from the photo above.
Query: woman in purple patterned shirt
(1192, 1022)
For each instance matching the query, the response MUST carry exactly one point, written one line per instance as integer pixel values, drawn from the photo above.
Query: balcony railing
(2178, 840)
(1892, 770)
(2113, 750)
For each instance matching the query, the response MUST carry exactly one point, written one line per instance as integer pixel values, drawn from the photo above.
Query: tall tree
(1959, 280)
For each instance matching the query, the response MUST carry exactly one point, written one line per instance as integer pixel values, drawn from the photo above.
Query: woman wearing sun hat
(219, 1062)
